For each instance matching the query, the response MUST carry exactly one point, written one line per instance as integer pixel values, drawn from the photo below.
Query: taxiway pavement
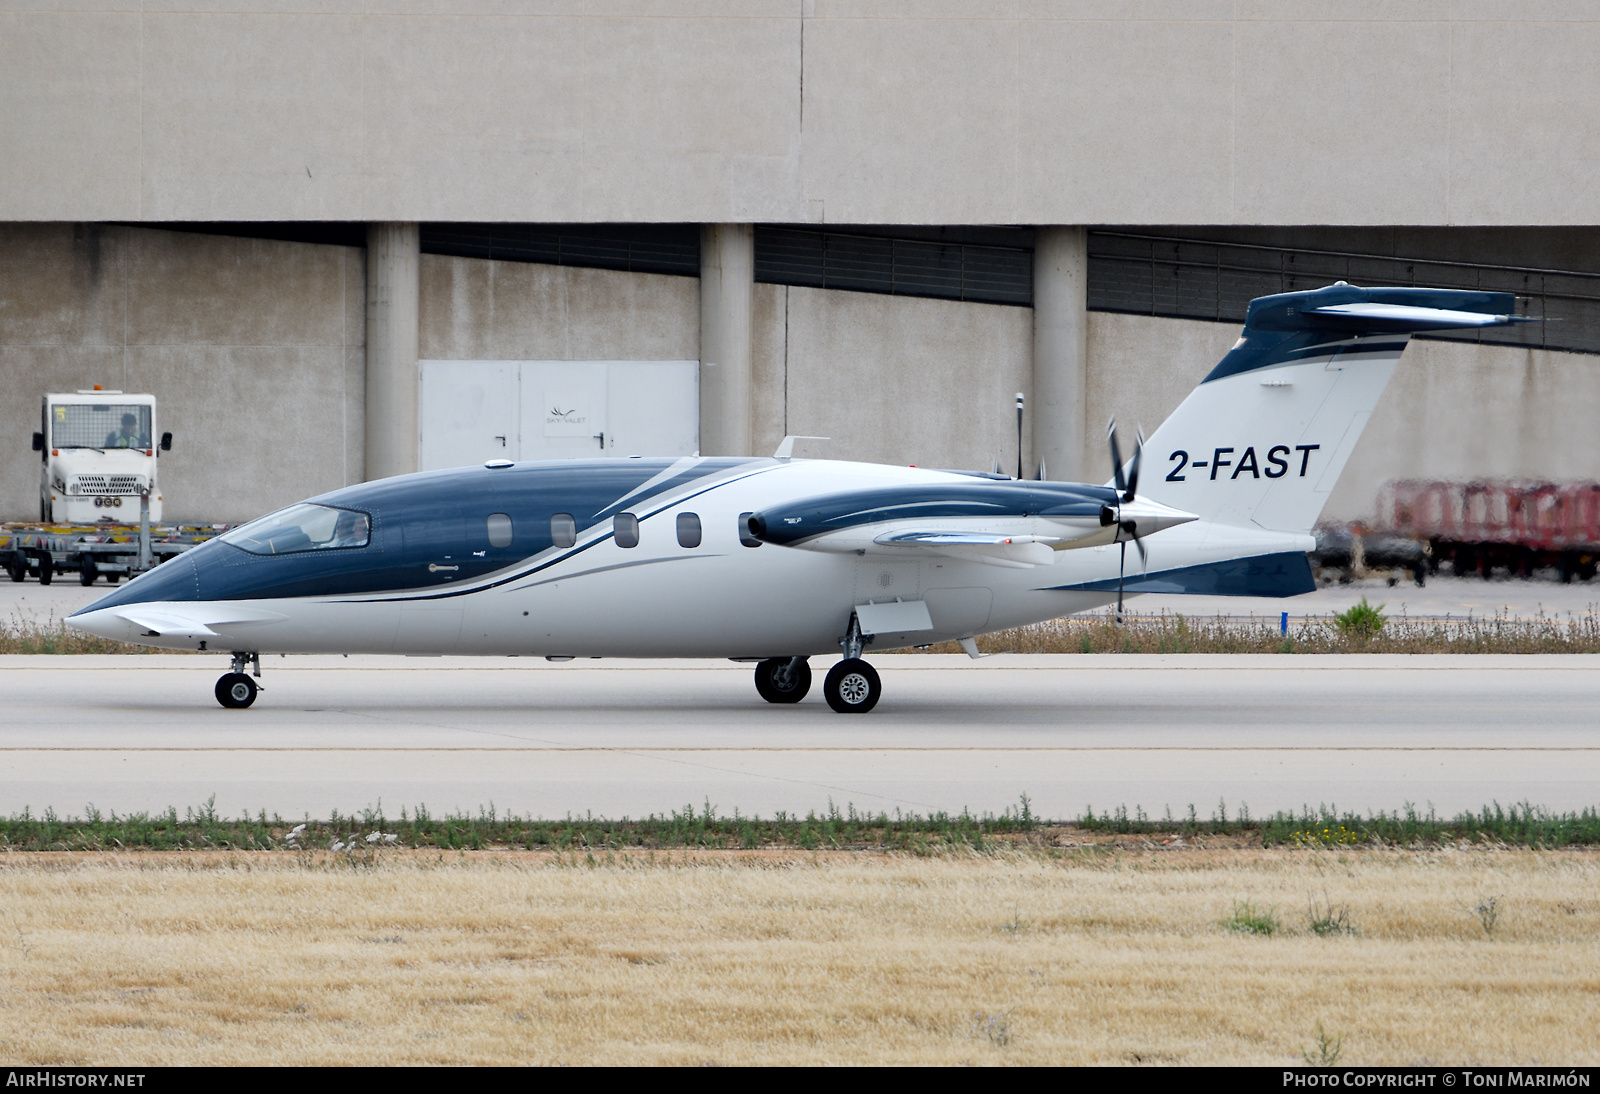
(619, 738)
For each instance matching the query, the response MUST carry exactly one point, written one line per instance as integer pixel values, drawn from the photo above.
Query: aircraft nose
(102, 623)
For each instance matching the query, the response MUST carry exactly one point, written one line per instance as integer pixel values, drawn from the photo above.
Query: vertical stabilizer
(1263, 439)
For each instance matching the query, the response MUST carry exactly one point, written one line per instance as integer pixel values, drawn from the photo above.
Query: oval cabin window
(625, 527)
(563, 530)
(499, 530)
(688, 529)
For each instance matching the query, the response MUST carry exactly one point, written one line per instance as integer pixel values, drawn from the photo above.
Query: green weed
(1247, 918)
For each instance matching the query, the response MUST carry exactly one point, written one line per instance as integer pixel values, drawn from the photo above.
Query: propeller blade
(1133, 470)
(1116, 456)
(1144, 556)
(1041, 471)
(1122, 567)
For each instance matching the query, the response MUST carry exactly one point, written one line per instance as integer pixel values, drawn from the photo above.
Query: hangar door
(472, 411)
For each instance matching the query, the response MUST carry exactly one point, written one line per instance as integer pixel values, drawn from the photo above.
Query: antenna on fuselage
(786, 446)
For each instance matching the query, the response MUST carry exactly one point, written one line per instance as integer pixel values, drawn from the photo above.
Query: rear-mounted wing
(1014, 552)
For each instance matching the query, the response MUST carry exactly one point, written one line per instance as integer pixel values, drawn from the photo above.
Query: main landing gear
(236, 690)
(852, 686)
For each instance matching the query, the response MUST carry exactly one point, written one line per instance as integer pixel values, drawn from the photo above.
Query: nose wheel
(237, 690)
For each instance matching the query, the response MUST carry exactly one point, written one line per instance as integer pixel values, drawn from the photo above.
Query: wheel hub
(854, 688)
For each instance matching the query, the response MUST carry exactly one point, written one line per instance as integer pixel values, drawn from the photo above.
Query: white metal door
(469, 412)
(563, 409)
(653, 408)
(474, 411)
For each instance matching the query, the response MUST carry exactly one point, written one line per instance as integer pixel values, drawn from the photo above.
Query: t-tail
(1263, 439)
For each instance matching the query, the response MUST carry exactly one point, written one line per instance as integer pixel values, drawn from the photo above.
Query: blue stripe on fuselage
(437, 517)
(1285, 574)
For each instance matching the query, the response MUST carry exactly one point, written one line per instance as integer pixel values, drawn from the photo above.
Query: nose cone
(103, 623)
(1151, 516)
(117, 615)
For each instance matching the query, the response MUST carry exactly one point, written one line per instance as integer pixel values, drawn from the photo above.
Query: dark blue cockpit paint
(798, 521)
(429, 532)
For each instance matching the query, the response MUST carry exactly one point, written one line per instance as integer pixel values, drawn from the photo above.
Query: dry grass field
(1091, 955)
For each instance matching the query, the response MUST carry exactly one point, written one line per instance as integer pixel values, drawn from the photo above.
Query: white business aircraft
(772, 560)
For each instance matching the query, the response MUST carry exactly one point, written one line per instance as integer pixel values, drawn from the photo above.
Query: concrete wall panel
(894, 379)
(1041, 111)
(1525, 125)
(473, 310)
(64, 285)
(191, 289)
(692, 120)
(1337, 119)
(1079, 129)
(69, 115)
(247, 112)
(503, 95)
(896, 113)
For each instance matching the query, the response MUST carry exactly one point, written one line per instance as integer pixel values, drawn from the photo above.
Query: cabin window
(563, 530)
(688, 529)
(744, 531)
(499, 530)
(625, 526)
(303, 527)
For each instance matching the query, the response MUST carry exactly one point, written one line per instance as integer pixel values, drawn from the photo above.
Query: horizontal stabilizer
(1385, 318)
(1405, 309)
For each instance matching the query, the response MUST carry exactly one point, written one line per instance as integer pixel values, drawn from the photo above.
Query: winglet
(786, 448)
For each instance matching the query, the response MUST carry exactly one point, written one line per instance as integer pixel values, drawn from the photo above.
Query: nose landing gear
(783, 679)
(235, 690)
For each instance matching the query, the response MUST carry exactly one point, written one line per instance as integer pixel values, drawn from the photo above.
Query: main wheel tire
(776, 684)
(112, 577)
(16, 571)
(852, 686)
(236, 690)
(87, 570)
(47, 569)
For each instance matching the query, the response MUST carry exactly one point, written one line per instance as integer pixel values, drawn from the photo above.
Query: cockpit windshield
(303, 527)
(99, 425)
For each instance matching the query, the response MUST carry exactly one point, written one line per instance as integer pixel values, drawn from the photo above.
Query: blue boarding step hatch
(1285, 574)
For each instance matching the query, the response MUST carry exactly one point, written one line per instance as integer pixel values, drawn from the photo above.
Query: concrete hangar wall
(288, 366)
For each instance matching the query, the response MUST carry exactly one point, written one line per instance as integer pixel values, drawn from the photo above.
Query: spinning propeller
(1127, 487)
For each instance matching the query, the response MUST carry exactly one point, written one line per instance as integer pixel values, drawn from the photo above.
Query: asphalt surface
(632, 738)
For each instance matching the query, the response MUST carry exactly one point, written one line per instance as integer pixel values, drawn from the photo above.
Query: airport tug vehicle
(100, 497)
